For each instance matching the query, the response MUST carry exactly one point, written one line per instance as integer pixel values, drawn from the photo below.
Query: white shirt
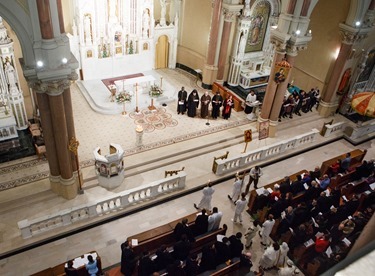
(250, 99)
(240, 206)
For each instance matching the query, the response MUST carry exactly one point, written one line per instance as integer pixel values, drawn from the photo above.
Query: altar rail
(102, 206)
(334, 128)
(251, 157)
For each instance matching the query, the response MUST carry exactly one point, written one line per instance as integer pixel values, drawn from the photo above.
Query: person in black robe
(201, 223)
(128, 259)
(193, 103)
(217, 102)
(146, 266)
(181, 103)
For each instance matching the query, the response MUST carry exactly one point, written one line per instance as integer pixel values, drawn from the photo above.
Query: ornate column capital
(53, 87)
(230, 15)
(280, 46)
(351, 35)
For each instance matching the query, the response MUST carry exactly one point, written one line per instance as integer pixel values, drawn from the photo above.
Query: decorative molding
(53, 88)
(229, 15)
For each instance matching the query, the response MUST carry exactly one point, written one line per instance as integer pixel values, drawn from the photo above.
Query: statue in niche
(163, 5)
(242, 44)
(10, 74)
(145, 46)
(146, 23)
(112, 4)
(87, 28)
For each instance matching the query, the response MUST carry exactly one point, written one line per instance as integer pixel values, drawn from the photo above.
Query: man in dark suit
(128, 259)
(182, 228)
(182, 248)
(222, 251)
(236, 246)
(201, 223)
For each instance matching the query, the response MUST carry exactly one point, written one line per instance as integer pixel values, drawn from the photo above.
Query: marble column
(70, 123)
(48, 135)
(271, 88)
(210, 69)
(45, 20)
(327, 104)
(280, 91)
(228, 19)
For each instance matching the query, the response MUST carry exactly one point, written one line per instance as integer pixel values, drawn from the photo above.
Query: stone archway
(18, 15)
(162, 52)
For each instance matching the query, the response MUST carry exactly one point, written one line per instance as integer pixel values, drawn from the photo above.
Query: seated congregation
(317, 215)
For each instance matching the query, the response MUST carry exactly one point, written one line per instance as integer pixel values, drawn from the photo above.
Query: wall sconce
(64, 60)
(309, 33)
(358, 23)
(39, 63)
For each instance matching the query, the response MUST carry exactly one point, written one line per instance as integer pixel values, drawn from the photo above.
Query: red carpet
(112, 80)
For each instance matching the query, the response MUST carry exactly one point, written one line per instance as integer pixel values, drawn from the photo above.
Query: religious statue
(87, 26)
(242, 44)
(146, 23)
(163, 5)
(10, 75)
(112, 10)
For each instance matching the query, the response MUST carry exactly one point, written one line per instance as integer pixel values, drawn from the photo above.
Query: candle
(161, 82)
(136, 95)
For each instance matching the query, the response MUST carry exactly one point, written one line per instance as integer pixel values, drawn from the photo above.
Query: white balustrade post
(24, 226)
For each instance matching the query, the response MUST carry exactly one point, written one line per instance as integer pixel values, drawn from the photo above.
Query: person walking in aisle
(240, 207)
(255, 174)
(205, 202)
(266, 230)
(237, 186)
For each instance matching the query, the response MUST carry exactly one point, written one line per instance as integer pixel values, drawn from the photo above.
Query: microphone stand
(208, 121)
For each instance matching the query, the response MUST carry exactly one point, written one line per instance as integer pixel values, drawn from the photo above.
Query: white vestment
(205, 202)
(237, 185)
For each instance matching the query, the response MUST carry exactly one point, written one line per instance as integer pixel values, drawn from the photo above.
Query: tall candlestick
(161, 82)
(136, 97)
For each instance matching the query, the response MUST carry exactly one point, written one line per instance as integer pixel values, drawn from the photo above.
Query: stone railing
(103, 206)
(334, 128)
(254, 156)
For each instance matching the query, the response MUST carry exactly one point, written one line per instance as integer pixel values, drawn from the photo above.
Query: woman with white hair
(284, 249)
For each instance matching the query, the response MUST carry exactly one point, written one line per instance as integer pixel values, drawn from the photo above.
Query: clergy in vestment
(217, 102)
(228, 105)
(205, 100)
(181, 103)
(250, 99)
(193, 103)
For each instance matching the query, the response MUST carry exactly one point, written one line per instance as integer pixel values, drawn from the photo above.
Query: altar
(250, 79)
(144, 83)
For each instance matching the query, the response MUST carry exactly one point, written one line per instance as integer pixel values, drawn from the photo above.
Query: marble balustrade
(340, 126)
(104, 206)
(247, 159)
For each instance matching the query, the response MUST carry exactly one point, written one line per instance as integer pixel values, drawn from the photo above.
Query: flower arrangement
(155, 91)
(123, 97)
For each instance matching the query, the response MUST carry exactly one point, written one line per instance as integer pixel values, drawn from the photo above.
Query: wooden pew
(154, 238)
(341, 179)
(207, 239)
(59, 270)
(224, 92)
(253, 194)
(227, 269)
(357, 156)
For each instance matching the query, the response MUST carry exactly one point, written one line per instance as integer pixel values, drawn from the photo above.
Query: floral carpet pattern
(153, 119)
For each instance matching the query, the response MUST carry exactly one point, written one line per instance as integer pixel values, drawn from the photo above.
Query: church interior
(95, 148)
